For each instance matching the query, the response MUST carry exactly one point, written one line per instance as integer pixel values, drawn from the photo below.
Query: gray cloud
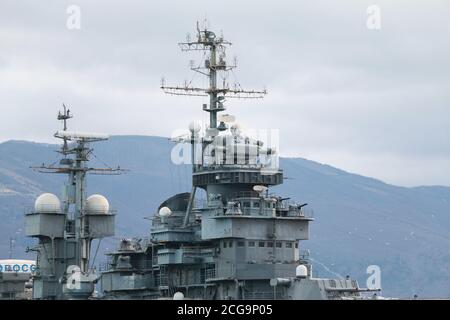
(371, 102)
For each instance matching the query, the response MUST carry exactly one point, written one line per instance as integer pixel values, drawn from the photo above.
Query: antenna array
(213, 64)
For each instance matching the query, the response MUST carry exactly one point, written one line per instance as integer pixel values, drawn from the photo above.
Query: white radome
(97, 204)
(47, 203)
(195, 126)
(178, 296)
(236, 126)
(164, 212)
(260, 188)
(301, 271)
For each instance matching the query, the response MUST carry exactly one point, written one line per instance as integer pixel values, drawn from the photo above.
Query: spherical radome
(260, 188)
(97, 204)
(164, 212)
(47, 203)
(178, 296)
(195, 126)
(301, 271)
(17, 265)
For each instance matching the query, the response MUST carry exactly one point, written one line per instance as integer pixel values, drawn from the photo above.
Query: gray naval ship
(242, 242)
(66, 228)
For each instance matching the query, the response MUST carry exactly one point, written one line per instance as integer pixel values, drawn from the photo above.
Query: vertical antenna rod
(215, 63)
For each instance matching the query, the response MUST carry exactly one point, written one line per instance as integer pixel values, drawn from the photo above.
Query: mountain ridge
(359, 220)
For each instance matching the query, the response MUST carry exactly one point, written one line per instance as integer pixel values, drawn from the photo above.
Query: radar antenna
(80, 149)
(213, 64)
(80, 226)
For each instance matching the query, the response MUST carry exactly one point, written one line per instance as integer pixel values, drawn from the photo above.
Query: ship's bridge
(236, 174)
(249, 214)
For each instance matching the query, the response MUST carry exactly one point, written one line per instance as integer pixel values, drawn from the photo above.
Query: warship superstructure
(15, 279)
(244, 241)
(66, 228)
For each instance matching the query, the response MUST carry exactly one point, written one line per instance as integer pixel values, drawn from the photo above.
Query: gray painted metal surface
(243, 243)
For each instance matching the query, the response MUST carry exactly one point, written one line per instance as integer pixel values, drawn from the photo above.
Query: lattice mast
(74, 164)
(212, 65)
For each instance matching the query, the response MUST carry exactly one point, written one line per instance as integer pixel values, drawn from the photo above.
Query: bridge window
(270, 244)
(296, 245)
(230, 244)
(288, 244)
(251, 243)
(241, 244)
(278, 244)
(261, 244)
(255, 204)
(224, 244)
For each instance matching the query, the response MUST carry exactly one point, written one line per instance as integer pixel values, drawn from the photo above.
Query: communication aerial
(70, 225)
(213, 64)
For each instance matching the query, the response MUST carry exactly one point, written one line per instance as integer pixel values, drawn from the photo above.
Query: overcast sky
(373, 102)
